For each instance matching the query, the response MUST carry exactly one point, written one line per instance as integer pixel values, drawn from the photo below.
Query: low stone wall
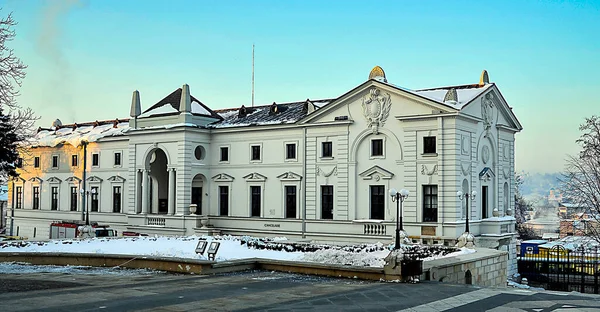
(485, 267)
(174, 265)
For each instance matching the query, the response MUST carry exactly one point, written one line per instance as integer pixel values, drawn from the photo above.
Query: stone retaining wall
(486, 267)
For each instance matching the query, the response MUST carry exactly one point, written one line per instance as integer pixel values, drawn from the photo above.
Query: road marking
(454, 302)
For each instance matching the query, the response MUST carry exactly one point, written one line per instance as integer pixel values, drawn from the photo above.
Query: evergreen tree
(9, 157)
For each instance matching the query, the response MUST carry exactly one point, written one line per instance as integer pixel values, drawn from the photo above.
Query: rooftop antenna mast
(253, 75)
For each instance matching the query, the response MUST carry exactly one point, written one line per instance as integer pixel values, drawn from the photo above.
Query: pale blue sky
(86, 57)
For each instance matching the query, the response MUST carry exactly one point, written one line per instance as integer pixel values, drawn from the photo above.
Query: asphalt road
(263, 291)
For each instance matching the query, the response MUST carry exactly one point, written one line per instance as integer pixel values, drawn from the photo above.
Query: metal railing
(562, 269)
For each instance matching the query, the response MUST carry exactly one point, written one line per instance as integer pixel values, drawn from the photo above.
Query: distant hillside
(539, 183)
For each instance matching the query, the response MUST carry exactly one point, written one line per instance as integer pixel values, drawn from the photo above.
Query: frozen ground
(26, 268)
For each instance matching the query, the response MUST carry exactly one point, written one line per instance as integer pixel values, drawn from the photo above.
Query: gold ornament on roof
(377, 73)
(484, 79)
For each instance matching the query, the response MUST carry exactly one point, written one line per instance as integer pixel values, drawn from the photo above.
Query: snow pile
(334, 256)
(234, 248)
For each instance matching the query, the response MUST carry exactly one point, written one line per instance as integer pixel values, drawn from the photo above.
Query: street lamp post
(466, 238)
(86, 208)
(399, 198)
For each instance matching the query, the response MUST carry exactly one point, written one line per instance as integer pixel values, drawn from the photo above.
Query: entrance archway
(158, 182)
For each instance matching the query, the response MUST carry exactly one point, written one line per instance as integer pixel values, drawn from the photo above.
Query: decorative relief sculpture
(376, 108)
(425, 170)
(326, 174)
(485, 154)
(487, 110)
(465, 168)
(321, 172)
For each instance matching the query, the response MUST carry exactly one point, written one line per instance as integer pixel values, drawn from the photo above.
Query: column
(171, 191)
(145, 191)
(138, 190)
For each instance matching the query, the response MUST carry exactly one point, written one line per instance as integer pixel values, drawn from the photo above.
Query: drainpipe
(12, 211)
(304, 189)
(84, 143)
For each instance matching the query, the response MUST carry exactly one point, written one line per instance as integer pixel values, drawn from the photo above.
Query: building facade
(319, 170)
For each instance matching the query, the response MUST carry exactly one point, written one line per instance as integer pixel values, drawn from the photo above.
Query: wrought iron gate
(562, 269)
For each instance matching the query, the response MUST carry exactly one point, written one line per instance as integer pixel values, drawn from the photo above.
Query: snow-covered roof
(76, 133)
(572, 243)
(170, 105)
(466, 94)
(284, 113)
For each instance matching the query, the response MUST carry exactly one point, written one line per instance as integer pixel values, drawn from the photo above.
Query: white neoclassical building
(317, 169)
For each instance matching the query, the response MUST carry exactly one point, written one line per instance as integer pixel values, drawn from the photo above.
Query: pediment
(36, 180)
(222, 177)
(255, 177)
(376, 173)
(73, 179)
(116, 179)
(289, 176)
(492, 109)
(486, 174)
(54, 180)
(376, 103)
(94, 179)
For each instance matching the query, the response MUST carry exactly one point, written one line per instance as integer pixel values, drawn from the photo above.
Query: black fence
(562, 269)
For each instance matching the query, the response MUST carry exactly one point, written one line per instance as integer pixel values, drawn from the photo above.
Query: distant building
(555, 196)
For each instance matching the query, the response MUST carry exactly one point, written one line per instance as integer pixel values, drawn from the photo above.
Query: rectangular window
(94, 201)
(95, 160)
(55, 161)
(327, 149)
(19, 201)
(224, 153)
(117, 159)
(255, 152)
(54, 203)
(377, 147)
(326, 201)
(290, 151)
(430, 203)
(73, 160)
(36, 197)
(117, 199)
(377, 202)
(429, 145)
(223, 200)
(255, 201)
(73, 198)
(290, 202)
(36, 162)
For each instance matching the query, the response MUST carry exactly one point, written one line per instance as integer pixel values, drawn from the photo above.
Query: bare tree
(12, 73)
(580, 181)
(522, 208)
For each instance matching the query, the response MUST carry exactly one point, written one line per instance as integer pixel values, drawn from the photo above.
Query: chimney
(185, 104)
(136, 107)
